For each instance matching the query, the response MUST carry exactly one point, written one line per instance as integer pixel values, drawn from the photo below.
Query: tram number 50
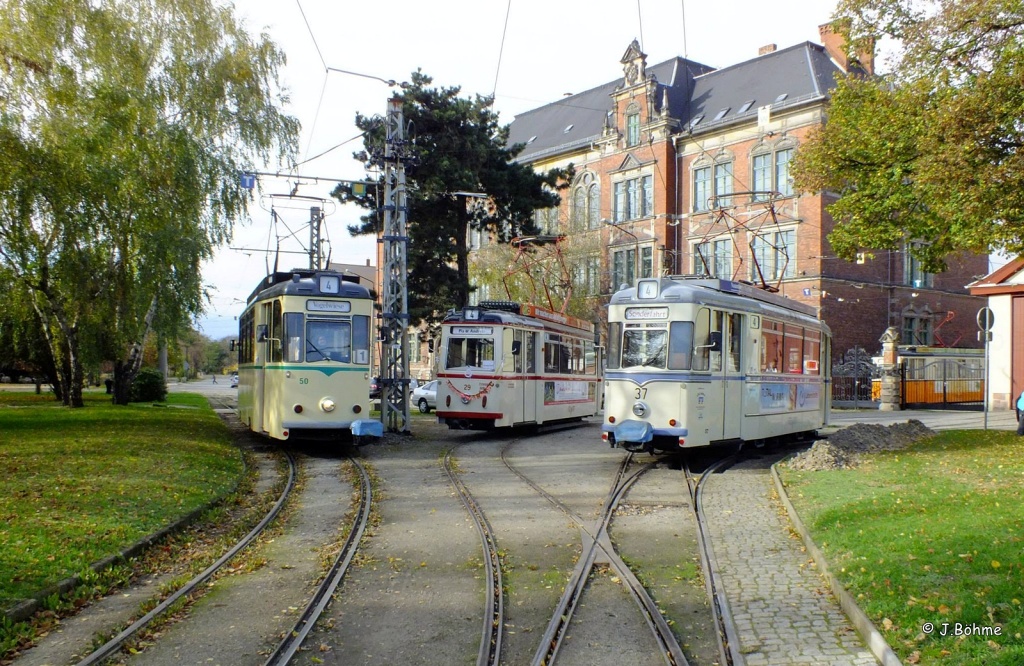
(641, 392)
(303, 380)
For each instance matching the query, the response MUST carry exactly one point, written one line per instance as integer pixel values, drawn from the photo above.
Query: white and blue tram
(696, 361)
(504, 364)
(304, 357)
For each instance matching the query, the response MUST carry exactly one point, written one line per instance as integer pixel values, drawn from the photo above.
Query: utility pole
(394, 401)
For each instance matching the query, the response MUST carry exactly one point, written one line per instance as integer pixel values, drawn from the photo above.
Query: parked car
(425, 397)
(234, 380)
(375, 385)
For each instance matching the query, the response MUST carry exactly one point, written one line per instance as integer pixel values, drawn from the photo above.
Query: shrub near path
(930, 542)
(82, 484)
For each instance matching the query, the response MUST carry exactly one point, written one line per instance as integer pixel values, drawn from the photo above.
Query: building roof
(1009, 279)
(696, 95)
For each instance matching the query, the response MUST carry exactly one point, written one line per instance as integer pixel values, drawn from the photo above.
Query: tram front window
(470, 352)
(328, 341)
(644, 347)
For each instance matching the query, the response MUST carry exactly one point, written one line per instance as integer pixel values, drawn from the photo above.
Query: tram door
(526, 369)
(259, 388)
(709, 356)
(733, 374)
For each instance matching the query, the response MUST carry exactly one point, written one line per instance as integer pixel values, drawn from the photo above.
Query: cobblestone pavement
(782, 608)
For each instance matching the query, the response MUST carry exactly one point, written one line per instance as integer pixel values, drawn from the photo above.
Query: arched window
(586, 202)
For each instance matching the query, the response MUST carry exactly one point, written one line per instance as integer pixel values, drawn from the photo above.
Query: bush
(148, 386)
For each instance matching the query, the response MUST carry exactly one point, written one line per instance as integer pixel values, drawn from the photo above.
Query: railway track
(494, 608)
(307, 620)
(114, 644)
(727, 636)
(600, 547)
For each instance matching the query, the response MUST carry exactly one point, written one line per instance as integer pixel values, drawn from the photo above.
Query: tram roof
(521, 314)
(714, 291)
(303, 281)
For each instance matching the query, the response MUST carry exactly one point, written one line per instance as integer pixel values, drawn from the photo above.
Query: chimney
(766, 49)
(835, 46)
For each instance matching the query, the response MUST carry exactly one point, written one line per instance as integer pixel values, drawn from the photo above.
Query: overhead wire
(501, 50)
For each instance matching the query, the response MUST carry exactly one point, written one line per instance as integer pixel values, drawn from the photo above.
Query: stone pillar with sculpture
(891, 385)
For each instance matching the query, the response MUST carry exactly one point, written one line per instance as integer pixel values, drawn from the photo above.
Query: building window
(632, 130)
(783, 180)
(593, 276)
(771, 173)
(586, 203)
(634, 198)
(624, 265)
(774, 254)
(546, 220)
(712, 185)
(702, 188)
(713, 258)
(913, 274)
(762, 176)
(723, 184)
(917, 330)
(415, 348)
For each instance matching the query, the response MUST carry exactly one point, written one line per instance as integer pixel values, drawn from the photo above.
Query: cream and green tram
(696, 361)
(304, 358)
(505, 364)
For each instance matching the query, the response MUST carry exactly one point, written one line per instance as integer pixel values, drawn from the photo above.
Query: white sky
(546, 50)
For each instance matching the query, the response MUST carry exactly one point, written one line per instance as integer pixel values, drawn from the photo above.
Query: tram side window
(361, 339)
(508, 359)
(812, 352)
(530, 352)
(276, 333)
(292, 337)
(735, 345)
(707, 350)
(771, 347)
(794, 349)
(680, 344)
(614, 339)
(553, 353)
(589, 358)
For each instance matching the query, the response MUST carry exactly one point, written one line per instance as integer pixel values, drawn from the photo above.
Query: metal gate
(930, 383)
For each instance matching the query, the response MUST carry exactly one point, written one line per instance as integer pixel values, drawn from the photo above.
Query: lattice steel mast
(394, 400)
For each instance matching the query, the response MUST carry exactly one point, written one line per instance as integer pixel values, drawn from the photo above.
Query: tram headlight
(327, 405)
(640, 409)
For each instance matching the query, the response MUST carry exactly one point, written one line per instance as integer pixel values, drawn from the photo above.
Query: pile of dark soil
(843, 449)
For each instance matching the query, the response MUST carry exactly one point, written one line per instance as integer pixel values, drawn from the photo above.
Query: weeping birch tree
(124, 125)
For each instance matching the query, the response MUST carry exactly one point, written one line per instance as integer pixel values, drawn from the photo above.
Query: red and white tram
(504, 364)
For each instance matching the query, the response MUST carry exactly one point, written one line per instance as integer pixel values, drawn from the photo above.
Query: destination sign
(646, 313)
(474, 331)
(328, 306)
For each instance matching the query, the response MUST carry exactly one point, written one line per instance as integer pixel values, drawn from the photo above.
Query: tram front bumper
(630, 431)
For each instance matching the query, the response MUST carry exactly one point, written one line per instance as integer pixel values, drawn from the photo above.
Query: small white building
(1005, 291)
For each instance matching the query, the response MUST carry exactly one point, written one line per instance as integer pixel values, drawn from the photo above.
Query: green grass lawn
(81, 484)
(929, 540)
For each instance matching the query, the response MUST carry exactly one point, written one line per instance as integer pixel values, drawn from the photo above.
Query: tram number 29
(641, 392)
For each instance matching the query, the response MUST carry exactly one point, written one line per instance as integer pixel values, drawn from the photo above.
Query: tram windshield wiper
(323, 355)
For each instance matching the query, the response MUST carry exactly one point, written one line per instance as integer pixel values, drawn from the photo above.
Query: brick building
(681, 168)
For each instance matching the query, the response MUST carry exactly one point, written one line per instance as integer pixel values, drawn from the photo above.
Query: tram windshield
(330, 340)
(658, 347)
(466, 352)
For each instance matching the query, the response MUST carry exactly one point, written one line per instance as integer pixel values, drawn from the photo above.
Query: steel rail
(293, 640)
(600, 543)
(727, 636)
(115, 643)
(494, 619)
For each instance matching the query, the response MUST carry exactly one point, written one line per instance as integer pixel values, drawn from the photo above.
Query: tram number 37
(641, 393)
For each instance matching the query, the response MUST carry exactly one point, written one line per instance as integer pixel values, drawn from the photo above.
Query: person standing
(1020, 414)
